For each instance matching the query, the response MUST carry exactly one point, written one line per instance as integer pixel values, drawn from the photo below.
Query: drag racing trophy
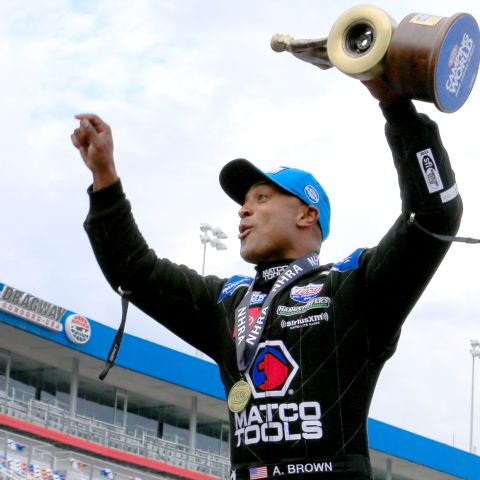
(424, 57)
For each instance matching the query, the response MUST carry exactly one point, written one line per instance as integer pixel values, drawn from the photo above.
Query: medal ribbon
(246, 341)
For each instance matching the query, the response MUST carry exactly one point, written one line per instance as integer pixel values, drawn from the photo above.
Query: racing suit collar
(268, 273)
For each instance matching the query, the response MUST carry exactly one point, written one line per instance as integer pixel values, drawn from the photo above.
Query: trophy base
(434, 59)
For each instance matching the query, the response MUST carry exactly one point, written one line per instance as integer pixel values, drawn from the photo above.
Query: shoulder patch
(237, 281)
(350, 262)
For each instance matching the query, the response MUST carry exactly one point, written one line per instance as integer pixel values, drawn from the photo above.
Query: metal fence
(109, 435)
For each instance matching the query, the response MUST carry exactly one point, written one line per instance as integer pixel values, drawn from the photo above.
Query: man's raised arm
(93, 139)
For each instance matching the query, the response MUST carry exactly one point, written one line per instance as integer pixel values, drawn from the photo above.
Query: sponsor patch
(309, 321)
(257, 298)
(272, 371)
(237, 281)
(317, 302)
(349, 263)
(430, 171)
(312, 193)
(305, 293)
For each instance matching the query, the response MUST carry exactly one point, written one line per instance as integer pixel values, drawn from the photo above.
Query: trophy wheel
(358, 41)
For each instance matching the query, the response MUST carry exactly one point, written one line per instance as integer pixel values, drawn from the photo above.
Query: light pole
(475, 351)
(211, 235)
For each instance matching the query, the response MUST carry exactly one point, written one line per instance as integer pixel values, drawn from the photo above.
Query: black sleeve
(174, 295)
(397, 271)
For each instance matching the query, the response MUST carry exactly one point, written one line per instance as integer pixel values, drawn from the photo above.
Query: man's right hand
(381, 90)
(93, 139)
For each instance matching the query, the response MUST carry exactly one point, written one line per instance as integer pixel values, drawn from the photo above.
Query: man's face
(268, 228)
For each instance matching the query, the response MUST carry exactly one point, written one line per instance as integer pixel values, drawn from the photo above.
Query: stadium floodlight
(475, 351)
(211, 235)
(205, 227)
(204, 239)
(217, 244)
(219, 233)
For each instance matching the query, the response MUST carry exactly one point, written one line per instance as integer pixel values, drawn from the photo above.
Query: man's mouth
(244, 231)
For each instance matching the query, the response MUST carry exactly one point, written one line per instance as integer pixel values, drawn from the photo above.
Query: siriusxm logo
(304, 322)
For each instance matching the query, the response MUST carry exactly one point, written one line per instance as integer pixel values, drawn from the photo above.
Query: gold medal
(239, 396)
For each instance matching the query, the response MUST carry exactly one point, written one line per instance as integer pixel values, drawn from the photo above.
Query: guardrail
(109, 435)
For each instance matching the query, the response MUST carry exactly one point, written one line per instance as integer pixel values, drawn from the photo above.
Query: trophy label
(423, 19)
(457, 64)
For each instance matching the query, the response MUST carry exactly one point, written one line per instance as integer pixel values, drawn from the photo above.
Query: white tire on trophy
(358, 41)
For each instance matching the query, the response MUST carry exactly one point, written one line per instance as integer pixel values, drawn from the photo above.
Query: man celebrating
(301, 345)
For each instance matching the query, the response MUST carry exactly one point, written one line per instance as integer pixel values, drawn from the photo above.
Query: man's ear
(308, 216)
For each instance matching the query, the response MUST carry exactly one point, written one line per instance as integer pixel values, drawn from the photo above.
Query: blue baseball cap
(237, 176)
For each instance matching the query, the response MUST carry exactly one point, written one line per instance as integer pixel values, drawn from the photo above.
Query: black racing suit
(326, 338)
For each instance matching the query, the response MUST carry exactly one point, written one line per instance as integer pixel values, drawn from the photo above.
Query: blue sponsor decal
(232, 284)
(457, 63)
(257, 298)
(349, 263)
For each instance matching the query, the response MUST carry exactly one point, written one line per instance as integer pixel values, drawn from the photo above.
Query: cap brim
(237, 176)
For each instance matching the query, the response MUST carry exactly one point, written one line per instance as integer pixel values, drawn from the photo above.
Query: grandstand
(157, 415)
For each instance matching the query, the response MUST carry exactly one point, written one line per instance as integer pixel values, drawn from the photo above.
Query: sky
(187, 86)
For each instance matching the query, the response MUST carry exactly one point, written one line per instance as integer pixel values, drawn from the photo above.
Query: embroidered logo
(305, 293)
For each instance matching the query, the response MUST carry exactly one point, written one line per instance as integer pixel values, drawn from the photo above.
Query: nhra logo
(272, 371)
(306, 293)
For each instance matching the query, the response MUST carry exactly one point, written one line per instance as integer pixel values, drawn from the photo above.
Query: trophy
(425, 57)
